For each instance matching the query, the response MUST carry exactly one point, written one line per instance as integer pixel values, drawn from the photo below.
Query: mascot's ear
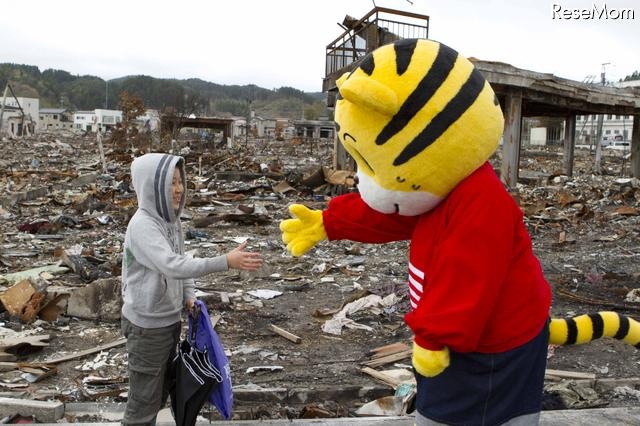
(368, 93)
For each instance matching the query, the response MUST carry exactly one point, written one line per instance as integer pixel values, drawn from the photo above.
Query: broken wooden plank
(5, 357)
(86, 352)
(388, 359)
(551, 374)
(32, 273)
(38, 373)
(289, 336)
(384, 378)
(388, 350)
(8, 366)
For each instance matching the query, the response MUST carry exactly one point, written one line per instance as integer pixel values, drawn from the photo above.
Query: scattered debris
(21, 345)
(627, 391)
(289, 336)
(15, 298)
(100, 299)
(63, 219)
(264, 294)
(264, 368)
(32, 273)
(386, 406)
(340, 320)
(86, 352)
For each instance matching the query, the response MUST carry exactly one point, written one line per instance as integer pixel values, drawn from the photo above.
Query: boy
(157, 280)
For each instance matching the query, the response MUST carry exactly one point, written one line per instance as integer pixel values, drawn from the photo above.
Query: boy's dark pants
(150, 350)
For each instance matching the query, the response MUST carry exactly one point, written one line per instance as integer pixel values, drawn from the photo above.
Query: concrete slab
(592, 417)
(43, 411)
(97, 300)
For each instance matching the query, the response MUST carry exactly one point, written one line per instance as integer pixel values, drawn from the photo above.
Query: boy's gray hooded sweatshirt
(157, 277)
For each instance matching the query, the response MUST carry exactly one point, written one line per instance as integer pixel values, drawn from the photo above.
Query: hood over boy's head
(152, 177)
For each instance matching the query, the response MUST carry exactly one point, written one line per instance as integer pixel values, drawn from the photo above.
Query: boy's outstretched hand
(240, 259)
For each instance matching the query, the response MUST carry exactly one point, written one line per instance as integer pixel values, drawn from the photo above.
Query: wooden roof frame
(524, 93)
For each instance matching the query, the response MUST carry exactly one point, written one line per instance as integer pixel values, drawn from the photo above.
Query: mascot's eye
(415, 187)
(344, 137)
(399, 179)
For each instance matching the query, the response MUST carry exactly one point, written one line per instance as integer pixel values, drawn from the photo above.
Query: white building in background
(13, 124)
(99, 120)
(614, 127)
(30, 106)
(264, 127)
(538, 136)
(20, 116)
(107, 119)
(84, 121)
(239, 127)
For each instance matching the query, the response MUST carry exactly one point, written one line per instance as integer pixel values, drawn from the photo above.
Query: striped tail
(585, 328)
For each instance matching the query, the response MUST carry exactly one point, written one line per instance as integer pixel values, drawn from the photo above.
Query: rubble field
(317, 336)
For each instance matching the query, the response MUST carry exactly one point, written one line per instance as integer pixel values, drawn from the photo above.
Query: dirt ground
(585, 231)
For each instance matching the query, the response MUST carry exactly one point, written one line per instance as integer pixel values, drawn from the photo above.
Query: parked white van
(618, 145)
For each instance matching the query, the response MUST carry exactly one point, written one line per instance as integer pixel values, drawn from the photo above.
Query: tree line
(59, 88)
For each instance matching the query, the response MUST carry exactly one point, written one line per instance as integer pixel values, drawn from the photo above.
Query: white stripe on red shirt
(416, 283)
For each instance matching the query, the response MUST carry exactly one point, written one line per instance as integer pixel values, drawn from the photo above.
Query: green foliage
(634, 76)
(229, 106)
(61, 88)
(157, 93)
(279, 108)
(86, 93)
(316, 111)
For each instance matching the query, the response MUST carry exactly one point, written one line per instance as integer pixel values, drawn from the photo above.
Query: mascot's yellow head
(418, 118)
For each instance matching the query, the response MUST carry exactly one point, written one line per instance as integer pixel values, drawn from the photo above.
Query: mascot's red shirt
(474, 283)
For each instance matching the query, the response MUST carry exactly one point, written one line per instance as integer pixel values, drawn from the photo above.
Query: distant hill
(57, 88)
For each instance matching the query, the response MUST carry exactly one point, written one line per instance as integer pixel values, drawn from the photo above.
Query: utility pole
(106, 94)
(248, 124)
(598, 161)
(4, 99)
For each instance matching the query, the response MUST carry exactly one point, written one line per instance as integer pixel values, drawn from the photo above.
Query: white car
(617, 145)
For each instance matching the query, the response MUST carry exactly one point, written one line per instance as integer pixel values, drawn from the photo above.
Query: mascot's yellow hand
(304, 231)
(429, 363)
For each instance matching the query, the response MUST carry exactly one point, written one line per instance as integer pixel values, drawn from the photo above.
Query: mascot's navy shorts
(486, 389)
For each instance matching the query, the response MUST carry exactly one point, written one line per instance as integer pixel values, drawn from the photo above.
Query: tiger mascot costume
(421, 123)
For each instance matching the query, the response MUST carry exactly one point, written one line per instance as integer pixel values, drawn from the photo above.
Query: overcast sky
(274, 43)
